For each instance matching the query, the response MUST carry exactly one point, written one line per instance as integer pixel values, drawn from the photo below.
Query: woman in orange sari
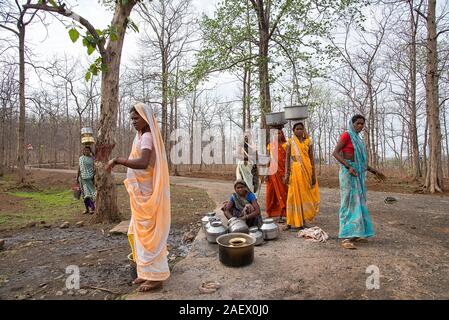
(303, 200)
(148, 187)
(276, 196)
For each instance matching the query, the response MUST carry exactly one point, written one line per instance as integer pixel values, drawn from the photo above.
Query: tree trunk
(2, 145)
(264, 83)
(165, 98)
(434, 180)
(21, 131)
(248, 99)
(446, 140)
(106, 202)
(414, 130)
(245, 75)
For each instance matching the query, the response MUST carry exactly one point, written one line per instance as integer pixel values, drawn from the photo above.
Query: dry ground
(33, 263)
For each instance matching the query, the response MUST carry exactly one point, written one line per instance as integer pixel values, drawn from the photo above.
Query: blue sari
(355, 221)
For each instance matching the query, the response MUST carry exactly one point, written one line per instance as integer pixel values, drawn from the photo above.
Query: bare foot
(138, 281)
(286, 227)
(150, 285)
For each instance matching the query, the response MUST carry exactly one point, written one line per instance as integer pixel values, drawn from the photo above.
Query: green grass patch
(48, 206)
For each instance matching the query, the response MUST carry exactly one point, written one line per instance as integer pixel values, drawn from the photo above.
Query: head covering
(296, 123)
(240, 181)
(304, 126)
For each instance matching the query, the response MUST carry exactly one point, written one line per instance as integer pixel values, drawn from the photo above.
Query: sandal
(348, 244)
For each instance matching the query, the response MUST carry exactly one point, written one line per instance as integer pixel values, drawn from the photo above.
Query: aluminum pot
(296, 112)
(236, 249)
(256, 233)
(211, 219)
(275, 118)
(236, 225)
(215, 230)
(269, 229)
(87, 131)
(206, 218)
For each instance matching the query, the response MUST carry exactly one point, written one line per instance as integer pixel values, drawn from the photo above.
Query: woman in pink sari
(148, 187)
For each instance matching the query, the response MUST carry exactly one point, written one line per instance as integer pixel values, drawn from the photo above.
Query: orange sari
(149, 195)
(303, 200)
(276, 196)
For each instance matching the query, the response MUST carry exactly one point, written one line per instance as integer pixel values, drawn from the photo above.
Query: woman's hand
(111, 163)
(352, 171)
(286, 180)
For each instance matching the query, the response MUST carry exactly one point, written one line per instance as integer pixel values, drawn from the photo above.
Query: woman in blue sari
(85, 178)
(355, 221)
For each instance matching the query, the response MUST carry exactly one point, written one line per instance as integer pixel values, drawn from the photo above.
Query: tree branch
(74, 16)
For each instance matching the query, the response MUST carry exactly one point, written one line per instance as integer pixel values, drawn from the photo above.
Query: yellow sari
(303, 200)
(149, 195)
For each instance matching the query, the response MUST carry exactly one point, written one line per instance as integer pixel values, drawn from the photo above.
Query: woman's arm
(312, 161)
(287, 164)
(139, 163)
(337, 155)
(256, 211)
(227, 210)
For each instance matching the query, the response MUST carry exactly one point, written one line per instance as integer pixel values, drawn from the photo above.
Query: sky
(56, 42)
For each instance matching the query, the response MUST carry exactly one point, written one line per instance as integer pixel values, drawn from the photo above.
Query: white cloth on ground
(315, 234)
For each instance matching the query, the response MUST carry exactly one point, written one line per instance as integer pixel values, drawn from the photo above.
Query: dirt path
(410, 250)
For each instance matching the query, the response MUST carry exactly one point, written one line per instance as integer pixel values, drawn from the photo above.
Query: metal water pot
(296, 112)
(206, 219)
(256, 233)
(236, 225)
(270, 230)
(209, 224)
(215, 230)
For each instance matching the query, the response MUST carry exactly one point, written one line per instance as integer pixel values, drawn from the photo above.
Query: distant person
(85, 178)
(276, 194)
(148, 187)
(243, 205)
(350, 151)
(303, 200)
(247, 167)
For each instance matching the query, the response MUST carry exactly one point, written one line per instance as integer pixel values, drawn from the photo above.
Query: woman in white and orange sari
(148, 187)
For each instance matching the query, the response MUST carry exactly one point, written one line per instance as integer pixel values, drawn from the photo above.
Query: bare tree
(171, 26)
(15, 19)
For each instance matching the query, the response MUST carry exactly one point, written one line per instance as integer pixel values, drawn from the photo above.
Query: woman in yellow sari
(303, 199)
(148, 187)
